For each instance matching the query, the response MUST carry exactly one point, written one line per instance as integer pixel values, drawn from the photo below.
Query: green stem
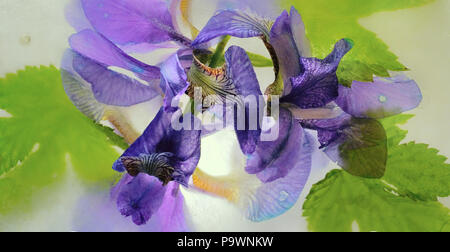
(218, 54)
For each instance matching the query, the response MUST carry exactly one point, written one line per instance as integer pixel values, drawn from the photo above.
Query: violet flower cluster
(163, 158)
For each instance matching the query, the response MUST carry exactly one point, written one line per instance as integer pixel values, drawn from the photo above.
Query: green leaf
(46, 133)
(405, 199)
(259, 60)
(341, 199)
(416, 170)
(328, 21)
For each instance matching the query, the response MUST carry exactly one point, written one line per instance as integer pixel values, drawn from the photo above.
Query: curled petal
(234, 23)
(131, 21)
(174, 80)
(382, 98)
(299, 34)
(317, 85)
(289, 40)
(96, 47)
(274, 159)
(110, 87)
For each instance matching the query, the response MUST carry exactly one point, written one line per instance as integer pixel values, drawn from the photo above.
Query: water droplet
(283, 196)
(25, 40)
(382, 98)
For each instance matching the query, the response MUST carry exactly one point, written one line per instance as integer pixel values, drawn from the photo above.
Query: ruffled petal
(95, 46)
(162, 137)
(234, 23)
(141, 198)
(97, 211)
(131, 21)
(110, 87)
(318, 84)
(241, 72)
(274, 159)
(382, 98)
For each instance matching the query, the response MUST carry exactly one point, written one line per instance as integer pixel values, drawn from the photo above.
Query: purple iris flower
(162, 158)
(311, 96)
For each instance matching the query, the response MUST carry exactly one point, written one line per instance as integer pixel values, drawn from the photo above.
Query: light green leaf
(328, 21)
(403, 200)
(259, 60)
(46, 132)
(416, 170)
(341, 199)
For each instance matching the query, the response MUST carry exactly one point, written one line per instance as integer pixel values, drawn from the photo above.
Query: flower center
(158, 165)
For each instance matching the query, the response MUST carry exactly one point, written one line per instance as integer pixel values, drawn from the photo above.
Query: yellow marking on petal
(219, 186)
(185, 8)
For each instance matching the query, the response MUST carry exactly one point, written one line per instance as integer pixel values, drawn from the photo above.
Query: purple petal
(282, 40)
(95, 46)
(299, 33)
(161, 137)
(131, 21)
(382, 98)
(266, 8)
(75, 16)
(110, 87)
(318, 84)
(171, 215)
(234, 23)
(275, 198)
(274, 159)
(174, 81)
(79, 91)
(240, 70)
(97, 211)
(141, 198)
